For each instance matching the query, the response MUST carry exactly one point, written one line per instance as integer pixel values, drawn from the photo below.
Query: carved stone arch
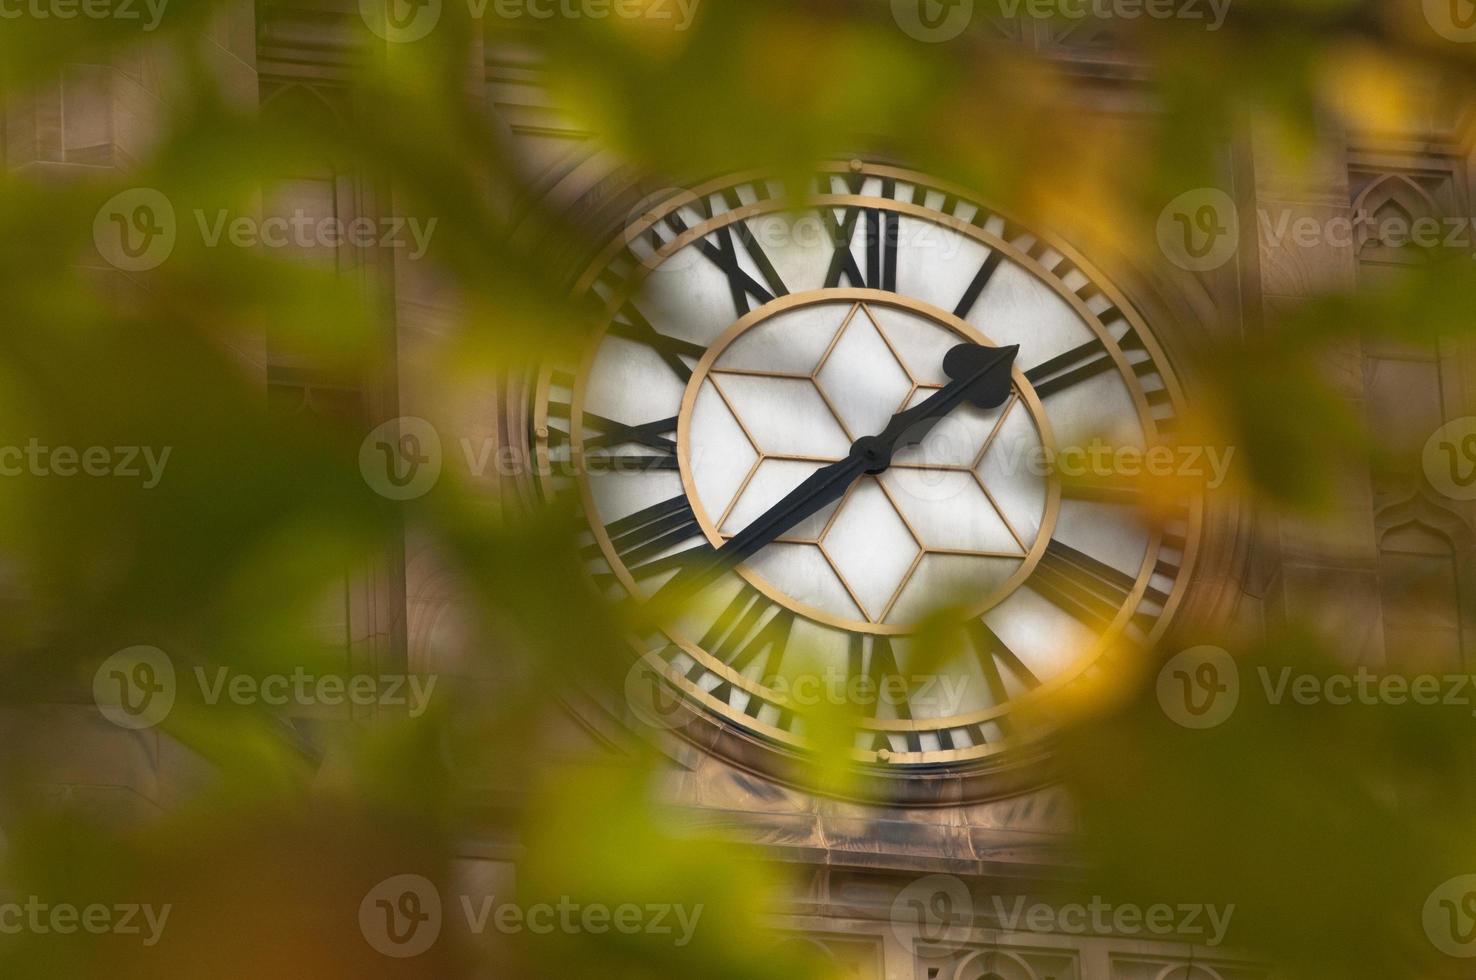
(1395, 187)
(311, 99)
(1422, 528)
(1391, 197)
(1419, 509)
(312, 108)
(993, 964)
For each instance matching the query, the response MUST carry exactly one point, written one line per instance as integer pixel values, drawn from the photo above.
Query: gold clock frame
(1022, 390)
(933, 777)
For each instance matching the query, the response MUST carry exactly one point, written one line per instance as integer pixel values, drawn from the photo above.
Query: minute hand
(981, 376)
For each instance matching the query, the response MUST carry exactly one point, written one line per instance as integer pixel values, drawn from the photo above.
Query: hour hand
(821, 489)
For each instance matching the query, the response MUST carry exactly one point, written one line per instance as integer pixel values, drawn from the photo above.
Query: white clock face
(753, 337)
(789, 388)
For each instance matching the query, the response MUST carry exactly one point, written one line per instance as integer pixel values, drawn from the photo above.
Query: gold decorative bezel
(1022, 390)
(967, 773)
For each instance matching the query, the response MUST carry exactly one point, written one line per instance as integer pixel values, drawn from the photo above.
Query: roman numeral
(879, 671)
(1172, 522)
(882, 231)
(741, 635)
(981, 279)
(1088, 589)
(993, 653)
(609, 434)
(632, 325)
(645, 536)
(652, 435)
(1081, 363)
(1070, 368)
(724, 255)
(740, 284)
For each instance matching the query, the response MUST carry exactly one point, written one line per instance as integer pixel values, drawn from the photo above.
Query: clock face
(753, 335)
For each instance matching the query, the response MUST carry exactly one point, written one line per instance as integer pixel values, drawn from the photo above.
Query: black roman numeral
(995, 660)
(879, 671)
(724, 255)
(652, 435)
(738, 639)
(980, 280)
(610, 434)
(1092, 591)
(632, 325)
(883, 228)
(645, 536)
(993, 653)
(1070, 368)
(1081, 363)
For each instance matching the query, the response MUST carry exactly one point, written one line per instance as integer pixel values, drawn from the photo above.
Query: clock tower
(816, 408)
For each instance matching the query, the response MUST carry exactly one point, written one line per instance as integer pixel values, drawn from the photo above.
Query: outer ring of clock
(929, 777)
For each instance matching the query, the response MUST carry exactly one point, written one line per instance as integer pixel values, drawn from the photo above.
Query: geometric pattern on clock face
(955, 517)
(770, 346)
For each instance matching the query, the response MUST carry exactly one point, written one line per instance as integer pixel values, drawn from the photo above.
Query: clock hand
(977, 379)
(819, 490)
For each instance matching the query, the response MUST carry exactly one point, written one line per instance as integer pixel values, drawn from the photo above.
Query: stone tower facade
(862, 864)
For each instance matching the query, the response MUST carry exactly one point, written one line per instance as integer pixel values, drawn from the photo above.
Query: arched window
(1419, 585)
(1392, 215)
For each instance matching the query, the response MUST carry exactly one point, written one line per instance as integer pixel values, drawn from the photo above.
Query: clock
(826, 419)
